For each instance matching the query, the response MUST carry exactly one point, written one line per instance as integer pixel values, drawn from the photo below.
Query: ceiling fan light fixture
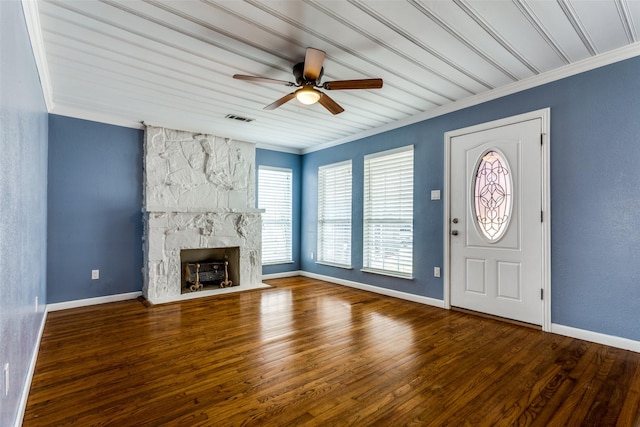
(307, 95)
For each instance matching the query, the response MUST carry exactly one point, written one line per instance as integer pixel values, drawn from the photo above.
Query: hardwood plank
(307, 352)
(630, 411)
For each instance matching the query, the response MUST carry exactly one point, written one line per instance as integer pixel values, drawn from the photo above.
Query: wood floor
(307, 352)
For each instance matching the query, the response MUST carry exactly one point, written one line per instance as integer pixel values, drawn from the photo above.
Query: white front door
(495, 229)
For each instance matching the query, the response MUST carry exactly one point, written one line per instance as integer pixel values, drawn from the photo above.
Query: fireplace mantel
(175, 209)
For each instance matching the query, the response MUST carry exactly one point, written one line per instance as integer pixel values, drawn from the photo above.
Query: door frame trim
(545, 204)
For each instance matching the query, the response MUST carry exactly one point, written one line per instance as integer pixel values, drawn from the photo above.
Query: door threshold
(498, 318)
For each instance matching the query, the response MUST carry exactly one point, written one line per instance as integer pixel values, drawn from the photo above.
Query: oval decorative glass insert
(493, 195)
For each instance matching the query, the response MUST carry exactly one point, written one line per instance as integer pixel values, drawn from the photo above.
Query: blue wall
(95, 202)
(23, 206)
(595, 196)
(293, 162)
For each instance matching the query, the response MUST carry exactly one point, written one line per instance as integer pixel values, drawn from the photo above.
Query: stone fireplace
(199, 200)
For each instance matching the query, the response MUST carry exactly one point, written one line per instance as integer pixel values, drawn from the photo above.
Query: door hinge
(542, 139)
(541, 216)
(541, 294)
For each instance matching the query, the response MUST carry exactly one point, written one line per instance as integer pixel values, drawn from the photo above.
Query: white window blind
(388, 212)
(274, 196)
(334, 214)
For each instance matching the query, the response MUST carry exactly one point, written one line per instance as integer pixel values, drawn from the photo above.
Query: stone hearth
(198, 194)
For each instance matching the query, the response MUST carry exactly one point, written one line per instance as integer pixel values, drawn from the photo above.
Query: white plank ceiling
(170, 63)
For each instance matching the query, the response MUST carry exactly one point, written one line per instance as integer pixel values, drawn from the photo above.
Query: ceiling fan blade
(262, 80)
(353, 84)
(330, 104)
(280, 101)
(313, 60)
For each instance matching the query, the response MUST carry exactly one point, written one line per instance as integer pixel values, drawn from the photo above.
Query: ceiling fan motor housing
(298, 73)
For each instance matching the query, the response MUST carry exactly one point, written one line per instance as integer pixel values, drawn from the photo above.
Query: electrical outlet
(435, 194)
(36, 303)
(5, 382)
(311, 255)
(436, 271)
(95, 274)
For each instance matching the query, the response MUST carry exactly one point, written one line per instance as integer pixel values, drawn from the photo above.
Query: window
(334, 214)
(274, 196)
(388, 212)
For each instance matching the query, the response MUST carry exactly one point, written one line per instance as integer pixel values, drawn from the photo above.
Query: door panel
(509, 280)
(475, 277)
(499, 271)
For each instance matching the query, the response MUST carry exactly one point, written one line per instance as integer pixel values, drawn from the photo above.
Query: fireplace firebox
(209, 268)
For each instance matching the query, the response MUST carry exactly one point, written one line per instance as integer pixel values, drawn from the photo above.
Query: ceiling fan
(308, 75)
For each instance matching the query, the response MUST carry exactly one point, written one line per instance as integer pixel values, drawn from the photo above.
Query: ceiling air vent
(239, 118)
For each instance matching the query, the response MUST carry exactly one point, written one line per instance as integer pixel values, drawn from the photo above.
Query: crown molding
(81, 114)
(32, 18)
(271, 147)
(588, 64)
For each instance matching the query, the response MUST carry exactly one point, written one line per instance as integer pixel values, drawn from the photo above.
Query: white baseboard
(378, 290)
(610, 340)
(22, 407)
(92, 301)
(282, 275)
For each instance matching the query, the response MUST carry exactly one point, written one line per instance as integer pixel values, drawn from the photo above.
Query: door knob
(454, 232)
